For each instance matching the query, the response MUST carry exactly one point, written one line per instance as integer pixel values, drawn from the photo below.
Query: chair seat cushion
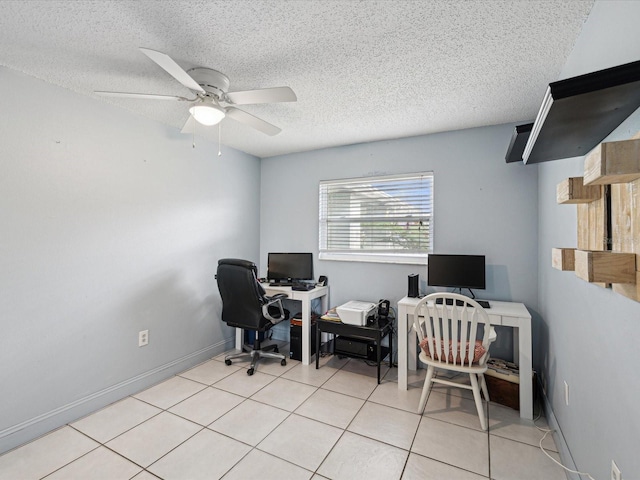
(478, 352)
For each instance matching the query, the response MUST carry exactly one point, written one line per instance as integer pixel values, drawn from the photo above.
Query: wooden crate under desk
(505, 392)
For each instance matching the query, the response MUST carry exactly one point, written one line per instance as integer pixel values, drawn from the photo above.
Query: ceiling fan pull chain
(193, 136)
(220, 139)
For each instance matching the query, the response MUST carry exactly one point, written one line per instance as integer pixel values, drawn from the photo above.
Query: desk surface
(296, 294)
(509, 309)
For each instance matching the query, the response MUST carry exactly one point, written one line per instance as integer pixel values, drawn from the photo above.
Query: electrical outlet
(143, 338)
(566, 394)
(616, 474)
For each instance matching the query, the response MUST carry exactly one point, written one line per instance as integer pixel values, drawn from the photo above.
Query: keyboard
(460, 303)
(280, 284)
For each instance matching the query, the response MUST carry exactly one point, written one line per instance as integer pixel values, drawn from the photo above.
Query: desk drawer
(495, 319)
(511, 321)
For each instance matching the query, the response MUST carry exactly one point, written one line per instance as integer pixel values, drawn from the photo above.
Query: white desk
(305, 297)
(508, 314)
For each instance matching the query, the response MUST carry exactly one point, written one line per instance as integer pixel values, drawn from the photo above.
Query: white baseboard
(32, 428)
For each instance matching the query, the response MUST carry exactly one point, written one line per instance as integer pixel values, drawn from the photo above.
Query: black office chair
(245, 305)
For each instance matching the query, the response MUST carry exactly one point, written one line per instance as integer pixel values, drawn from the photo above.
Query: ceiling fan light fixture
(207, 113)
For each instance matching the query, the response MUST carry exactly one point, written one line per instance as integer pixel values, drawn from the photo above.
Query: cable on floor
(547, 431)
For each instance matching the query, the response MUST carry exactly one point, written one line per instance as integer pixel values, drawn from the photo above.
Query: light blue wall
(589, 335)
(105, 232)
(482, 206)
(110, 224)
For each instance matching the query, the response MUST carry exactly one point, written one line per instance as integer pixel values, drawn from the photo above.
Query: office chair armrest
(277, 301)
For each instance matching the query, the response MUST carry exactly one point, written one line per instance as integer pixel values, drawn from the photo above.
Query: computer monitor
(289, 266)
(457, 271)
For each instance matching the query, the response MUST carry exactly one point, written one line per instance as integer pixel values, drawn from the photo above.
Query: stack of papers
(503, 369)
(331, 315)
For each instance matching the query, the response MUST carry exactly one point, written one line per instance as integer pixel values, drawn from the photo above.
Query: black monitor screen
(458, 271)
(290, 266)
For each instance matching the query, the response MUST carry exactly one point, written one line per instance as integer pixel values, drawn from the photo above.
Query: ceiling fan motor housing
(212, 81)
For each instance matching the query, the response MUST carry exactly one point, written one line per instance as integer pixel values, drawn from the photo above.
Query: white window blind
(377, 219)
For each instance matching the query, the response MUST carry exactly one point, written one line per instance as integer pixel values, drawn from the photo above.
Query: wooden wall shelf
(605, 267)
(563, 259)
(573, 190)
(607, 199)
(625, 234)
(613, 162)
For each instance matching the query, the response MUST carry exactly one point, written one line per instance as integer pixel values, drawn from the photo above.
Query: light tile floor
(288, 422)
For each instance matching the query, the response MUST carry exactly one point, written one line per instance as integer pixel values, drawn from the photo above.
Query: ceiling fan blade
(263, 95)
(189, 125)
(252, 121)
(148, 96)
(173, 69)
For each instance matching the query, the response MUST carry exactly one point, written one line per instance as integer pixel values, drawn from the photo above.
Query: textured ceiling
(362, 70)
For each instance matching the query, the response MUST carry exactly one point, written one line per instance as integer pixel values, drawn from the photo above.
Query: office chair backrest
(242, 295)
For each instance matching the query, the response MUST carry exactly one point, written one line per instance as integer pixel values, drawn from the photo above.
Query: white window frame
(422, 211)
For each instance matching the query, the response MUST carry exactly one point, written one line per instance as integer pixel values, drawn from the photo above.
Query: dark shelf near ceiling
(582, 111)
(518, 141)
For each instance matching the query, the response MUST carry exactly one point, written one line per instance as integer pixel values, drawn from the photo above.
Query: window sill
(406, 259)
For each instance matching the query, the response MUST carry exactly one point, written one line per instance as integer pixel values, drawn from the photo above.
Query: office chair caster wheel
(227, 362)
(250, 371)
(283, 362)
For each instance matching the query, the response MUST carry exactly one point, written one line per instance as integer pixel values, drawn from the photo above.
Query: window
(377, 219)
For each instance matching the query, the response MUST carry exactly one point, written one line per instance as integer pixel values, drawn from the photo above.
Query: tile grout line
(245, 399)
(489, 437)
(324, 423)
(289, 414)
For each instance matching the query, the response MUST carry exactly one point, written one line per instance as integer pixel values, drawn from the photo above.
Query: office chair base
(256, 355)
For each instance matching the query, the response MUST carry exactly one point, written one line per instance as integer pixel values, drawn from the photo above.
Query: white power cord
(547, 431)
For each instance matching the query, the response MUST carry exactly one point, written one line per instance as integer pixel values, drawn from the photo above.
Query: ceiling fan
(213, 101)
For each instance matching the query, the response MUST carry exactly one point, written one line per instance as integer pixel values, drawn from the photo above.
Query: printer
(356, 312)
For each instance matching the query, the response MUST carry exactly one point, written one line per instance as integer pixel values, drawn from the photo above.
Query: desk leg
(324, 304)
(522, 338)
(402, 347)
(306, 331)
(390, 348)
(378, 354)
(317, 340)
(239, 341)
(412, 345)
